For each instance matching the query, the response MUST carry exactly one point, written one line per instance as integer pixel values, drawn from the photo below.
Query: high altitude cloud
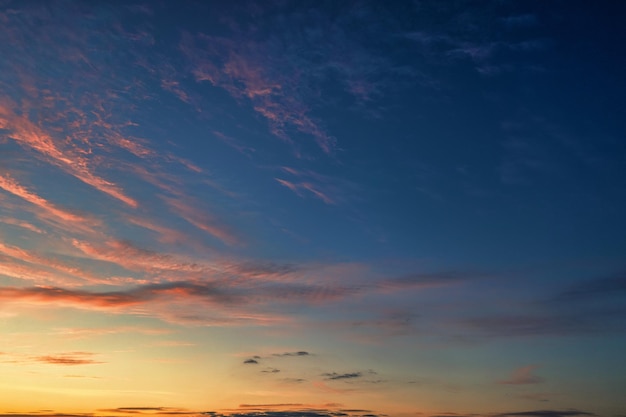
(69, 359)
(523, 376)
(547, 413)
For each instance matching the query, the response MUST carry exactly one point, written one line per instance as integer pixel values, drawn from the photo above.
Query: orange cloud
(39, 261)
(523, 376)
(22, 224)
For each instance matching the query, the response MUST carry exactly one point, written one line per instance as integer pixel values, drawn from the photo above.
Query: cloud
(47, 208)
(546, 413)
(430, 280)
(78, 333)
(202, 219)
(76, 298)
(251, 361)
(269, 410)
(271, 371)
(537, 396)
(336, 376)
(289, 410)
(32, 137)
(293, 380)
(595, 288)
(298, 353)
(522, 325)
(520, 20)
(151, 411)
(70, 359)
(592, 306)
(523, 376)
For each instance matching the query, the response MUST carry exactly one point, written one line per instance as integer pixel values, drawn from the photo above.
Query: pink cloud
(203, 220)
(31, 136)
(10, 185)
(128, 256)
(23, 255)
(311, 188)
(523, 376)
(248, 71)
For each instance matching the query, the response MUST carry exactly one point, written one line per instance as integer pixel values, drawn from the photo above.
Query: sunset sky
(313, 208)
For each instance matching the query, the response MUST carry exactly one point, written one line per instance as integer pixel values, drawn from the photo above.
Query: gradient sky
(313, 208)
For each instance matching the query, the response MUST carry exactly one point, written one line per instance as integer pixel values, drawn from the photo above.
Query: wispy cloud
(48, 209)
(308, 183)
(246, 69)
(79, 333)
(31, 136)
(547, 413)
(523, 376)
(68, 359)
(298, 353)
(336, 376)
(203, 220)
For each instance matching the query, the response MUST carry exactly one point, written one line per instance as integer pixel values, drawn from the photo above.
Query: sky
(312, 208)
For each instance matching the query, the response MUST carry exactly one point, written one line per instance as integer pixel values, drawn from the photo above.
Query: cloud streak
(523, 376)
(68, 359)
(33, 137)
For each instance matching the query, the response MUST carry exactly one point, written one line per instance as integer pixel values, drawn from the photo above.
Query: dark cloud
(141, 408)
(336, 376)
(255, 269)
(251, 361)
(431, 280)
(527, 325)
(304, 413)
(547, 413)
(591, 306)
(151, 410)
(454, 414)
(71, 359)
(536, 396)
(271, 371)
(298, 353)
(46, 413)
(601, 287)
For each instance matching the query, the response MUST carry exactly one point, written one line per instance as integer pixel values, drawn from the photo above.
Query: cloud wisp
(68, 359)
(523, 376)
(334, 376)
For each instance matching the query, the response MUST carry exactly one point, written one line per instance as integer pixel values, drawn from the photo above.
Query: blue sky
(412, 208)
